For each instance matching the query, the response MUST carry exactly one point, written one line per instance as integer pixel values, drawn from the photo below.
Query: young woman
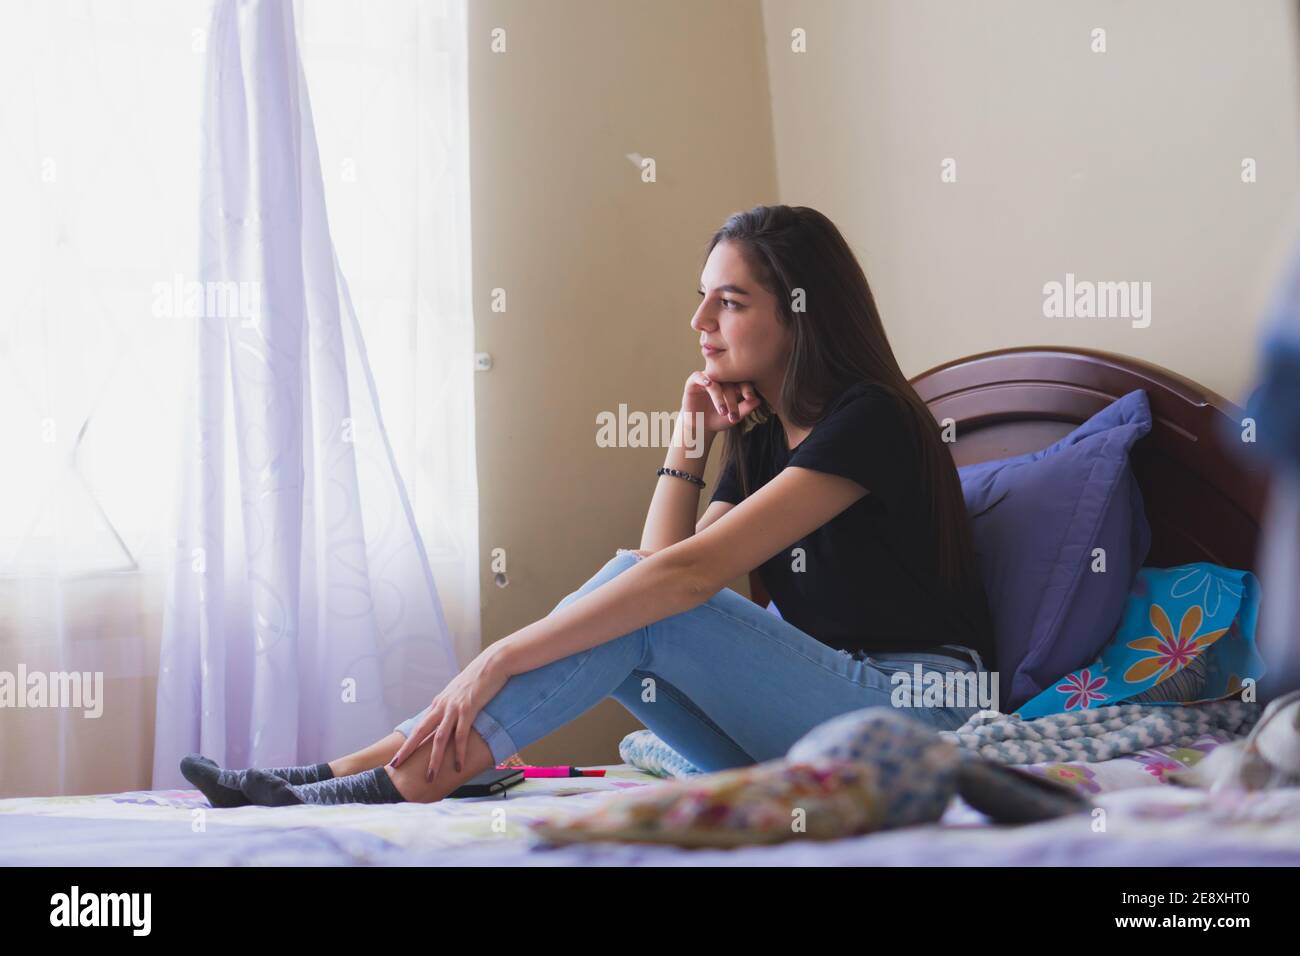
(835, 485)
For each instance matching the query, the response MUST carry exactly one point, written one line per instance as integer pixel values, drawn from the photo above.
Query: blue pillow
(1036, 519)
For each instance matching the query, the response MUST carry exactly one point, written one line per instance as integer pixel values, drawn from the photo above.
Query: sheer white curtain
(97, 198)
(389, 86)
(99, 147)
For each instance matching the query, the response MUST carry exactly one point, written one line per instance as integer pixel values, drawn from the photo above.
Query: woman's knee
(620, 562)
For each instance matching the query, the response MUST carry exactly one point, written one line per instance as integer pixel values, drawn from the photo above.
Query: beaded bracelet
(681, 474)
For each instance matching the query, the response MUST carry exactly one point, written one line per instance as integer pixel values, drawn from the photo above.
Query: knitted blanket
(1101, 733)
(1087, 736)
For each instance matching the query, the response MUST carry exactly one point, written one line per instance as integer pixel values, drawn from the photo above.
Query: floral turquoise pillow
(1187, 636)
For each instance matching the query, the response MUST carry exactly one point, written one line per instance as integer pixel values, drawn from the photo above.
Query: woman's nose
(701, 322)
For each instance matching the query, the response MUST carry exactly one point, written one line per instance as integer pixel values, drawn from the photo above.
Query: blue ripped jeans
(725, 684)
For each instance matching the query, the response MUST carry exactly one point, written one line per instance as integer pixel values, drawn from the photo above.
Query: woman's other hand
(451, 716)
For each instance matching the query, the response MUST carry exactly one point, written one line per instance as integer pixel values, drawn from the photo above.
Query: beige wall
(600, 271)
(1123, 165)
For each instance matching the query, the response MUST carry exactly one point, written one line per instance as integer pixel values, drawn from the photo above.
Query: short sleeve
(865, 437)
(728, 488)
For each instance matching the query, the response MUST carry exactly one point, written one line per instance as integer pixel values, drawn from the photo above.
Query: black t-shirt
(866, 579)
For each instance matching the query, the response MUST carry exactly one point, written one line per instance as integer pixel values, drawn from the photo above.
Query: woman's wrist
(500, 658)
(689, 450)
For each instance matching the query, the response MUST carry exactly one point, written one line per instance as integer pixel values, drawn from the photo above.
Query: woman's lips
(710, 350)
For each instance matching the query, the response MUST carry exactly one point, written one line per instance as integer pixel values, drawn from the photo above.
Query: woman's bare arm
(712, 513)
(676, 501)
(708, 407)
(685, 574)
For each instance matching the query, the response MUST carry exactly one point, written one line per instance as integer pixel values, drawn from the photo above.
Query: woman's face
(739, 318)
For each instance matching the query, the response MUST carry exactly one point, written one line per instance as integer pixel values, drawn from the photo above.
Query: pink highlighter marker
(558, 772)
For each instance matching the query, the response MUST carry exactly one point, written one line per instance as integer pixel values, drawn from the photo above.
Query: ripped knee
(639, 552)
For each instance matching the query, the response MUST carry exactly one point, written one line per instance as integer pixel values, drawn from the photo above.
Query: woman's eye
(729, 302)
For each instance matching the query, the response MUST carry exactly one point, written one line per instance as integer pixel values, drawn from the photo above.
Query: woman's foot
(223, 788)
(207, 776)
(369, 786)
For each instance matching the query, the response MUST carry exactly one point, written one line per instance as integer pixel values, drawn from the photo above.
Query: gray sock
(369, 786)
(223, 788)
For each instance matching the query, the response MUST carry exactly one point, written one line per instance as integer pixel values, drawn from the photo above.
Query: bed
(1004, 402)
(1147, 823)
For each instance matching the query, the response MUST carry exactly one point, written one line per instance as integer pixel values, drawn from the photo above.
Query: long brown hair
(838, 340)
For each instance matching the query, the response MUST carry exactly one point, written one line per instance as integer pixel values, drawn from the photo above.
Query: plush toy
(867, 770)
(1269, 756)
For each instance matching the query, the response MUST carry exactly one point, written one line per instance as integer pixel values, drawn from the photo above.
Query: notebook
(489, 782)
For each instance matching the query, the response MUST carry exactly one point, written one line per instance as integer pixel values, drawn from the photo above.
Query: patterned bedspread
(410, 826)
(1143, 822)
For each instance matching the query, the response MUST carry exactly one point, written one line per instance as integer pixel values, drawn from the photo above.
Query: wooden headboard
(1204, 500)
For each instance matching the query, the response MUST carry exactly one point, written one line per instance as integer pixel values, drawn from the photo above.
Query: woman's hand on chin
(723, 404)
